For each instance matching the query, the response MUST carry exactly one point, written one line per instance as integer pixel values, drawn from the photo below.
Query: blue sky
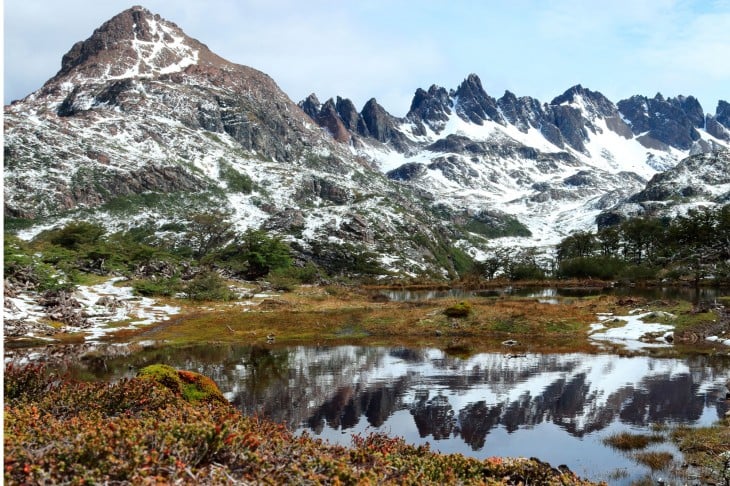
(387, 49)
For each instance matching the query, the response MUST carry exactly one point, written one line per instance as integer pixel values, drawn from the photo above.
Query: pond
(556, 407)
(546, 293)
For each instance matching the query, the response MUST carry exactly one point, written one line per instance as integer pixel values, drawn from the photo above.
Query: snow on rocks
(632, 331)
(101, 306)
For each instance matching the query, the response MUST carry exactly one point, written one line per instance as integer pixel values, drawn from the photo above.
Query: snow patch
(631, 331)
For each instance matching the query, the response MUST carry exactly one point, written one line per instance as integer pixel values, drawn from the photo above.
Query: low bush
(634, 273)
(161, 287)
(600, 267)
(207, 285)
(193, 387)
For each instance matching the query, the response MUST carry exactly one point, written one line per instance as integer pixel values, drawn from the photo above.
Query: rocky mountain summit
(698, 180)
(143, 124)
(553, 166)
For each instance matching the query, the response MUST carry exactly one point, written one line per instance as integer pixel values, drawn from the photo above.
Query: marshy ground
(461, 326)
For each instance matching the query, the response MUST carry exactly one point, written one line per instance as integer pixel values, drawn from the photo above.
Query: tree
(494, 263)
(609, 241)
(577, 245)
(77, 234)
(694, 239)
(524, 266)
(208, 232)
(641, 238)
(255, 254)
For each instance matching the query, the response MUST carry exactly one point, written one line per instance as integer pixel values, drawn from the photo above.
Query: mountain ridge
(140, 108)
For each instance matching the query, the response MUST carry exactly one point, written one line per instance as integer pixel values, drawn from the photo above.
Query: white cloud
(388, 49)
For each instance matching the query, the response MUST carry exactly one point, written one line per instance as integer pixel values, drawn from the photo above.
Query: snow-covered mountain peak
(134, 43)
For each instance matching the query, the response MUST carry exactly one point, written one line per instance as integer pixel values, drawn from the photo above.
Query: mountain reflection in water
(554, 406)
(447, 396)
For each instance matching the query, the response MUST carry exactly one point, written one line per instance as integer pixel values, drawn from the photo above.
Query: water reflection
(549, 294)
(553, 406)
(468, 405)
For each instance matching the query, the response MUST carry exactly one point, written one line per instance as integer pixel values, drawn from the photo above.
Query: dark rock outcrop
(311, 106)
(524, 112)
(431, 108)
(382, 126)
(350, 117)
(317, 187)
(330, 119)
(407, 172)
(722, 113)
(719, 125)
(672, 121)
(474, 104)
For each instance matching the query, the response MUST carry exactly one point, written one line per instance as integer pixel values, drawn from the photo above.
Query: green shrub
(235, 180)
(163, 287)
(193, 387)
(255, 254)
(308, 274)
(76, 234)
(591, 267)
(283, 279)
(287, 279)
(207, 285)
(23, 266)
(639, 272)
(525, 271)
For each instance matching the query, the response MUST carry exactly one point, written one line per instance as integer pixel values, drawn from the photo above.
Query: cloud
(387, 49)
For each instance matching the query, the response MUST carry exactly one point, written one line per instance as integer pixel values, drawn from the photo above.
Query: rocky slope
(144, 124)
(699, 180)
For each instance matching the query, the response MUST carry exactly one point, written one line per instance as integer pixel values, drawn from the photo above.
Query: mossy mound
(192, 386)
(462, 309)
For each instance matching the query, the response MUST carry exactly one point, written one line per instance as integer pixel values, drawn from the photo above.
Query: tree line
(689, 247)
(692, 246)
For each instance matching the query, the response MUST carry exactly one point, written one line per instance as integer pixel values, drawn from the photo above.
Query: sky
(385, 49)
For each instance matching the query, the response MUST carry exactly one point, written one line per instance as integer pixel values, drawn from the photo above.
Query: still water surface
(685, 293)
(557, 407)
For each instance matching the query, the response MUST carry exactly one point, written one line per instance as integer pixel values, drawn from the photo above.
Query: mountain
(554, 167)
(698, 180)
(145, 125)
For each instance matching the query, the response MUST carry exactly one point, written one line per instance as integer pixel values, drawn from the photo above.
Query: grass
(317, 315)
(681, 316)
(655, 460)
(626, 441)
(705, 446)
(90, 279)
